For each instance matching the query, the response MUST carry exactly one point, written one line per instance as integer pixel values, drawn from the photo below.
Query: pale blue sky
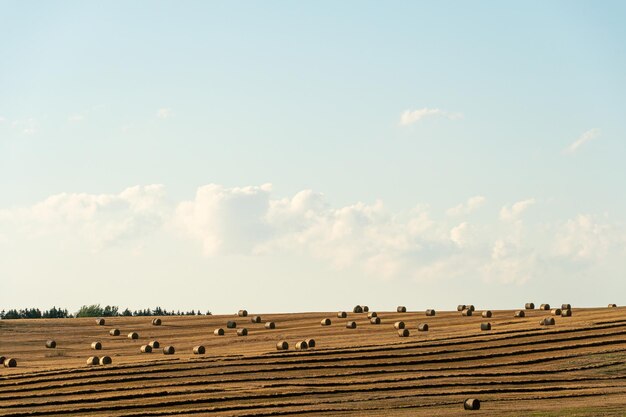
(99, 97)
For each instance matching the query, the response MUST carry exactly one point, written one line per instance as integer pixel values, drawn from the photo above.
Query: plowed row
(576, 368)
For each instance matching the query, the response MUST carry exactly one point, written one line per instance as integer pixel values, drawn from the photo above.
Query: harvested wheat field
(576, 367)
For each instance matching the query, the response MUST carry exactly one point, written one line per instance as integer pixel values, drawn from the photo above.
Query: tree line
(94, 310)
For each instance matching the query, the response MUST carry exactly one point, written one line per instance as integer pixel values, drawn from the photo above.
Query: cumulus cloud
(586, 238)
(510, 265)
(249, 221)
(472, 204)
(164, 113)
(582, 139)
(409, 117)
(460, 234)
(76, 117)
(98, 219)
(291, 214)
(515, 211)
(27, 127)
(226, 220)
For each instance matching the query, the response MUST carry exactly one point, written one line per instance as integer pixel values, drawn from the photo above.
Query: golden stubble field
(519, 368)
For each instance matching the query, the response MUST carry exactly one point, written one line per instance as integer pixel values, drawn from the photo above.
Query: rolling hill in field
(576, 367)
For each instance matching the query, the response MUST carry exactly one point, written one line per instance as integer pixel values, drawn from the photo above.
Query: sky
(292, 156)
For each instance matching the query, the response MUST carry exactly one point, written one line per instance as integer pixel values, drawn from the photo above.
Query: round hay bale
(372, 314)
(145, 349)
(270, 325)
(302, 345)
(106, 360)
(114, 332)
(169, 350)
(422, 327)
(529, 306)
(242, 332)
(2, 358)
(366, 309)
(430, 312)
(399, 325)
(520, 313)
(342, 314)
(401, 309)
(154, 344)
(357, 309)
(133, 335)
(93, 360)
(325, 322)
(471, 404)
(100, 322)
(231, 324)
(351, 325)
(375, 320)
(566, 306)
(566, 313)
(460, 307)
(256, 319)
(549, 321)
(556, 312)
(404, 333)
(486, 314)
(544, 307)
(485, 326)
(199, 350)
(310, 342)
(96, 346)
(282, 345)
(612, 305)
(242, 313)
(51, 344)
(471, 307)
(467, 312)
(218, 332)
(10, 363)
(156, 322)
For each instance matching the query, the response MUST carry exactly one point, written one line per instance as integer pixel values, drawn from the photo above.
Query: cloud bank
(249, 221)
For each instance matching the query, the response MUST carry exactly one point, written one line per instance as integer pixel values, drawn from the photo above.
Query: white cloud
(511, 262)
(75, 118)
(460, 234)
(499, 250)
(27, 127)
(164, 113)
(513, 213)
(472, 204)
(98, 219)
(226, 220)
(585, 238)
(248, 222)
(409, 117)
(584, 138)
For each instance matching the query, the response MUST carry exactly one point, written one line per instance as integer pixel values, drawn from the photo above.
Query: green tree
(12, 314)
(110, 311)
(93, 310)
